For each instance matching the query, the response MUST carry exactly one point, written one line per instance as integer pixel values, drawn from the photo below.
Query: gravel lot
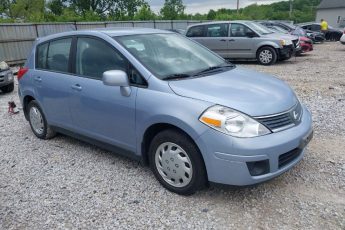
(66, 184)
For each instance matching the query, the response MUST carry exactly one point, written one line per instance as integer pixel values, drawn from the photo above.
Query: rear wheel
(8, 88)
(267, 55)
(177, 163)
(38, 122)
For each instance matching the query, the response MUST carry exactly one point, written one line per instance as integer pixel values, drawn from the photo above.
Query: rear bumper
(227, 158)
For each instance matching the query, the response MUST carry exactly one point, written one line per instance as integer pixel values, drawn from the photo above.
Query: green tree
(172, 9)
(211, 15)
(28, 10)
(145, 13)
(56, 7)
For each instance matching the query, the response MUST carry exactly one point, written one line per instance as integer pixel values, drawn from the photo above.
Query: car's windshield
(258, 28)
(169, 54)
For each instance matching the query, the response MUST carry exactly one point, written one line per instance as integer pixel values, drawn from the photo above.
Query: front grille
(295, 43)
(288, 157)
(2, 78)
(282, 121)
(277, 122)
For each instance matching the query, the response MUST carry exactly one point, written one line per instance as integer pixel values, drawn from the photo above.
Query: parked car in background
(315, 36)
(305, 43)
(342, 39)
(166, 100)
(331, 35)
(243, 40)
(6, 78)
(295, 30)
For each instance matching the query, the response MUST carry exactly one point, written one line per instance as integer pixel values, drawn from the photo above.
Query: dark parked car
(331, 35)
(6, 78)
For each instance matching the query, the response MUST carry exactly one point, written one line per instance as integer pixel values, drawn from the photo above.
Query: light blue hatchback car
(167, 101)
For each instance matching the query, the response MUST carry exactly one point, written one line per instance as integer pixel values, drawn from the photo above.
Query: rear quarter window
(41, 56)
(58, 55)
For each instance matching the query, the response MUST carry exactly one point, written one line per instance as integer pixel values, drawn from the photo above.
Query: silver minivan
(244, 40)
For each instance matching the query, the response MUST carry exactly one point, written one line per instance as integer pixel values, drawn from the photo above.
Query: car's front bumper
(306, 47)
(5, 79)
(286, 51)
(226, 157)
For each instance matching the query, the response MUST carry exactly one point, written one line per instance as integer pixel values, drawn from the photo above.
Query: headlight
(10, 76)
(285, 42)
(232, 122)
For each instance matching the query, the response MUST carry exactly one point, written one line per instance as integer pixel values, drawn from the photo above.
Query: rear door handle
(77, 87)
(38, 79)
(231, 40)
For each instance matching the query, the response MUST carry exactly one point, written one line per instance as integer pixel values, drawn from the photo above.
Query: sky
(203, 6)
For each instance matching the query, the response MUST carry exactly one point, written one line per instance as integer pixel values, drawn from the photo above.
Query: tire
(38, 122)
(8, 88)
(267, 55)
(183, 172)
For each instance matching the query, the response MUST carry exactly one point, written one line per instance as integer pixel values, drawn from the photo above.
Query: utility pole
(291, 8)
(238, 6)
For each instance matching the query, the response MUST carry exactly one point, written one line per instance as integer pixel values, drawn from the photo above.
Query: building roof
(329, 4)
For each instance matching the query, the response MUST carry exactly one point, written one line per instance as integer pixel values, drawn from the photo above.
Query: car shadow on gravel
(213, 189)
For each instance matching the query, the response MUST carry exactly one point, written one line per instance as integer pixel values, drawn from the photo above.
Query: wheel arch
(156, 128)
(26, 100)
(267, 45)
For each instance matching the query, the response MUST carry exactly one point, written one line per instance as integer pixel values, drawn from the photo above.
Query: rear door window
(58, 55)
(217, 30)
(196, 31)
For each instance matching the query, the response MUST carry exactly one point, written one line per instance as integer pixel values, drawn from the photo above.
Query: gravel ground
(66, 184)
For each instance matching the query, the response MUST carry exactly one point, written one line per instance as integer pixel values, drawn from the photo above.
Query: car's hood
(245, 90)
(281, 36)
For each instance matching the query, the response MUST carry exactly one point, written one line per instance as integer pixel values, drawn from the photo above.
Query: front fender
(168, 108)
(267, 43)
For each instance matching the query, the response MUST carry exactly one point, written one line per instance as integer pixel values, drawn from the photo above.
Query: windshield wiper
(176, 76)
(214, 68)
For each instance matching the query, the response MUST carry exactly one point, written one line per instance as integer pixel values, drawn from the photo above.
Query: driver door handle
(77, 87)
(38, 79)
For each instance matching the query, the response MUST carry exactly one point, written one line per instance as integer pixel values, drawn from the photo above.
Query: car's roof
(307, 23)
(116, 31)
(110, 31)
(219, 22)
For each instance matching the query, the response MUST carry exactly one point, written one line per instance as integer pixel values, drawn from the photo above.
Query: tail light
(22, 71)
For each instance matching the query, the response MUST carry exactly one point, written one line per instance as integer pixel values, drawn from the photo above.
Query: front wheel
(177, 163)
(267, 55)
(38, 122)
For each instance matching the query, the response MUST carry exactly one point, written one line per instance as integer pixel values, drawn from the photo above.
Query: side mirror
(251, 34)
(117, 78)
